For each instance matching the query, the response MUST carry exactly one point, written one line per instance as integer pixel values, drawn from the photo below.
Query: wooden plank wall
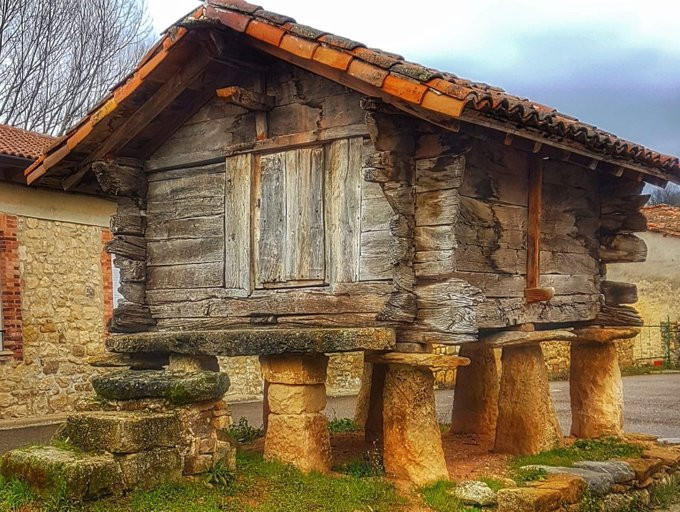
(243, 241)
(491, 237)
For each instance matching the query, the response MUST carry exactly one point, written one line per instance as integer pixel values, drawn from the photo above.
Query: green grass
(525, 475)
(14, 495)
(664, 495)
(439, 498)
(494, 483)
(583, 449)
(341, 425)
(257, 486)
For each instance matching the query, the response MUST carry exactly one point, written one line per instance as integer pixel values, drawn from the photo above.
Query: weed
(444, 427)
(340, 425)
(243, 432)
(220, 475)
(590, 503)
(666, 493)
(494, 484)
(525, 475)
(439, 498)
(65, 444)
(371, 464)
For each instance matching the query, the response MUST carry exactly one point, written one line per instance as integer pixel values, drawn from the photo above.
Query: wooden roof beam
(244, 98)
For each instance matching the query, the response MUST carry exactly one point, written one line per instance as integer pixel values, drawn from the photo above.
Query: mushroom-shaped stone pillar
(595, 382)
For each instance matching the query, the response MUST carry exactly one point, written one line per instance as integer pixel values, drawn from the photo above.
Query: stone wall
(62, 309)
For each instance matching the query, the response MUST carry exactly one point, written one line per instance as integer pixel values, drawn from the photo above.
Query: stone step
(87, 475)
(121, 432)
(178, 388)
(49, 469)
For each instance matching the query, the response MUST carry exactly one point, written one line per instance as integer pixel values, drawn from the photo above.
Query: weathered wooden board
(180, 251)
(305, 252)
(195, 227)
(197, 275)
(271, 226)
(237, 222)
(343, 208)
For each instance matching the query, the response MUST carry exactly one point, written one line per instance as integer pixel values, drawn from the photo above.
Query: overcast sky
(614, 64)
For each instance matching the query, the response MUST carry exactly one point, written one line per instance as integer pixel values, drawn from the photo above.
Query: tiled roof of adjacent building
(662, 218)
(408, 85)
(23, 143)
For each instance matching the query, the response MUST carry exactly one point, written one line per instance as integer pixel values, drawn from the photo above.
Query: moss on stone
(178, 388)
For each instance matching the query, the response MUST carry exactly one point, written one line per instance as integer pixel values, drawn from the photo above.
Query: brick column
(10, 285)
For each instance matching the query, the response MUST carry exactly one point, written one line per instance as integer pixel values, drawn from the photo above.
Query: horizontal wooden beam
(244, 98)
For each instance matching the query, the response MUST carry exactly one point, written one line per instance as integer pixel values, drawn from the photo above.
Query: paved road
(652, 405)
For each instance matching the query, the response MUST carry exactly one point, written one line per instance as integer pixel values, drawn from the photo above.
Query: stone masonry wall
(63, 318)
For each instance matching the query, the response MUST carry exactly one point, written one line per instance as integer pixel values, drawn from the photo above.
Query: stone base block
(295, 368)
(299, 439)
(150, 468)
(46, 468)
(119, 432)
(475, 405)
(177, 388)
(596, 390)
(292, 399)
(527, 422)
(411, 438)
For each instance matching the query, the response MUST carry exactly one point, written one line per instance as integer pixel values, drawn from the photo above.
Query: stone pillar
(297, 430)
(187, 363)
(526, 415)
(475, 401)
(412, 439)
(596, 390)
(363, 396)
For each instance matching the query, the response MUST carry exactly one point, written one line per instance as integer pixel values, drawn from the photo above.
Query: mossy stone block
(121, 432)
(147, 469)
(178, 388)
(68, 473)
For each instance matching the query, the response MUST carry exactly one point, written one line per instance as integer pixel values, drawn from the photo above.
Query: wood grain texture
(237, 222)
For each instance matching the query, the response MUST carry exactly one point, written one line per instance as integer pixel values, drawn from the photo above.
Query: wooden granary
(287, 192)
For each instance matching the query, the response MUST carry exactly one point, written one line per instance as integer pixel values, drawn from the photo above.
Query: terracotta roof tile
(438, 91)
(22, 143)
(663, 218)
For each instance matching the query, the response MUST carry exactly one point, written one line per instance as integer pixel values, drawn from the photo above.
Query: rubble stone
(475, 493)
(149, 468)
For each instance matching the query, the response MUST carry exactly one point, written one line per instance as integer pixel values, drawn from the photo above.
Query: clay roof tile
(23, 143)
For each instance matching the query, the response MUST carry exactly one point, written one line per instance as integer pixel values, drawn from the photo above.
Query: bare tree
(669, 195)
(58, 57)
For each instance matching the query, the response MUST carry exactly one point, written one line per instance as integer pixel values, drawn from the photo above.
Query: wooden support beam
(249, 100)
(616, 293)
(533, 292)
(622, 248)
(160, 100)
(606, 334)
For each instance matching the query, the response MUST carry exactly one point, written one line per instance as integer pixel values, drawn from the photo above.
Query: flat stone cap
(178, 388)
(253, 342)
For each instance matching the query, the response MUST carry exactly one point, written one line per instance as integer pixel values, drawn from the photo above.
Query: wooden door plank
(272, 219)
(237, 222)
